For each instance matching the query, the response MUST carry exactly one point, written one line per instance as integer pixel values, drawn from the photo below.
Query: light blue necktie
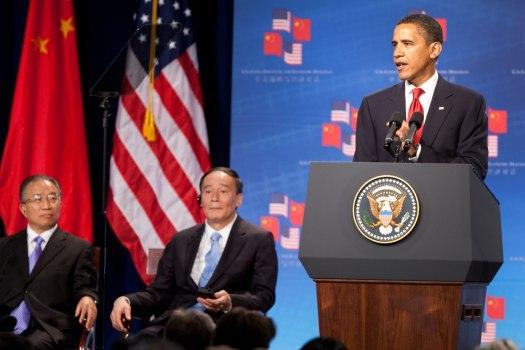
(22, 313)
(211, 259)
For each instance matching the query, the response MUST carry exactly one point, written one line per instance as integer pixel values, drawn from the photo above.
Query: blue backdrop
(300, 70)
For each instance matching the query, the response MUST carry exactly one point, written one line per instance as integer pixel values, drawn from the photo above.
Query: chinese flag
(296, 213)
(270, 223)
(354, 111)
(443, 23)
(273, 44)
(496, 307)
(46, 131)
(497, 121)
(302, 29)
(331, 135)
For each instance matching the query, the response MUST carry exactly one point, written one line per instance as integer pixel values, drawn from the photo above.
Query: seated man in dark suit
(214, 266)
(454, 118)
(47, 277)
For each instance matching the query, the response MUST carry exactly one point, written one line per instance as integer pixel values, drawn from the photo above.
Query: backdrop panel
(300, 70)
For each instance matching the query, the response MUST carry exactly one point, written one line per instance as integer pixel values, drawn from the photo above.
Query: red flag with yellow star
(46, 129)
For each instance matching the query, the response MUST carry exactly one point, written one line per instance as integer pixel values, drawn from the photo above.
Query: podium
(425, 291)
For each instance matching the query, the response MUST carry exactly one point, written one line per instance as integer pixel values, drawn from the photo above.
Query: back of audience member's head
(500, 344)
(323, 343)
(10, 341)
(149, 343)
(244, 329)
(191, 329)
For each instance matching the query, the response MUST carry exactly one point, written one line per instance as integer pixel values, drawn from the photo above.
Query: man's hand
(402, 132)
(222, 302)
(121, 314)
(86, 312)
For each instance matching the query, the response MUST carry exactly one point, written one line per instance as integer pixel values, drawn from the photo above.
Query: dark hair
(244, 329)
(227, 171)
(323, 343)
(37, 177)
(430, 28)
(190, 329)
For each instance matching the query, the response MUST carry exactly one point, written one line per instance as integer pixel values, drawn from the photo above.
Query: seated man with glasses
(47, 276)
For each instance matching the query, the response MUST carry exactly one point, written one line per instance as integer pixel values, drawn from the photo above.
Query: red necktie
(416, 106)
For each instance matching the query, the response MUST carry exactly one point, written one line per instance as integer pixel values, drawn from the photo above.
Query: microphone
(396, 119)
(414, 124)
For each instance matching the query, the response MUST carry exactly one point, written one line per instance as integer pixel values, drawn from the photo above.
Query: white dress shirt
(205, 246)
(425, 99)
(31, 235)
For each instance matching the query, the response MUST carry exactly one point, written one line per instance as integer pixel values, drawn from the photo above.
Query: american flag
(292, 241)
(160, 147)
(492, 143)
(488, 334)
(281, 20)
(348, 145)
(293, 53)
(278, 204)
(340, 112)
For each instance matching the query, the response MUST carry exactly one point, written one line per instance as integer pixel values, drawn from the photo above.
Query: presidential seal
(385, 209)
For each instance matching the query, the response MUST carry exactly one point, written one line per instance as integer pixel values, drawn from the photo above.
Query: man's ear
(23, 209)
(435, 50)
(238, 200)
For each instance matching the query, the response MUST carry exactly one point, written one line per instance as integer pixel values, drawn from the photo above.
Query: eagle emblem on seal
(385, 209)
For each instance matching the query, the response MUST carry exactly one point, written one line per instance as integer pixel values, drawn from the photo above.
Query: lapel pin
(441, 108)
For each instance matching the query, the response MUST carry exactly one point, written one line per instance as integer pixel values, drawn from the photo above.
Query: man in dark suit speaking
(454, 118)
(47, 277)
(213, 267)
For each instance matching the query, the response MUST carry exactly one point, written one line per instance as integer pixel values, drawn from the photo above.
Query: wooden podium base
(382, 315)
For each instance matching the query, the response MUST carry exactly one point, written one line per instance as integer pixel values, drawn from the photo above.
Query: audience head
(244, 329)
(500, 344)
(323, 343)
(146, 343)
(191, 329)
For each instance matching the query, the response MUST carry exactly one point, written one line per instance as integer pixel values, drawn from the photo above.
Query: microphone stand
(106, 114)
(397, 151)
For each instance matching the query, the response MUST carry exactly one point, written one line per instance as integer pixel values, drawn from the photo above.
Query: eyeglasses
(52, 198)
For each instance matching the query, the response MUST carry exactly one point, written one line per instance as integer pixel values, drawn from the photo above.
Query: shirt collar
(46, 235)
(428, 86)
(225, 231)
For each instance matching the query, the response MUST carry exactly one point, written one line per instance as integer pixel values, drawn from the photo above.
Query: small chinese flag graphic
(273, 44)
(354, 111)
(496, 307)
(497, 121)
(296, 213)
(331, 135)
(443, 23)
(302, 29)
(270, 223)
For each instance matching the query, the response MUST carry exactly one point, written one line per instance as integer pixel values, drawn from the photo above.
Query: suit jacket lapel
(20, 248)
(398, 100)
(191, 253)
(233, 247)
(56, 244)
(440, 107)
